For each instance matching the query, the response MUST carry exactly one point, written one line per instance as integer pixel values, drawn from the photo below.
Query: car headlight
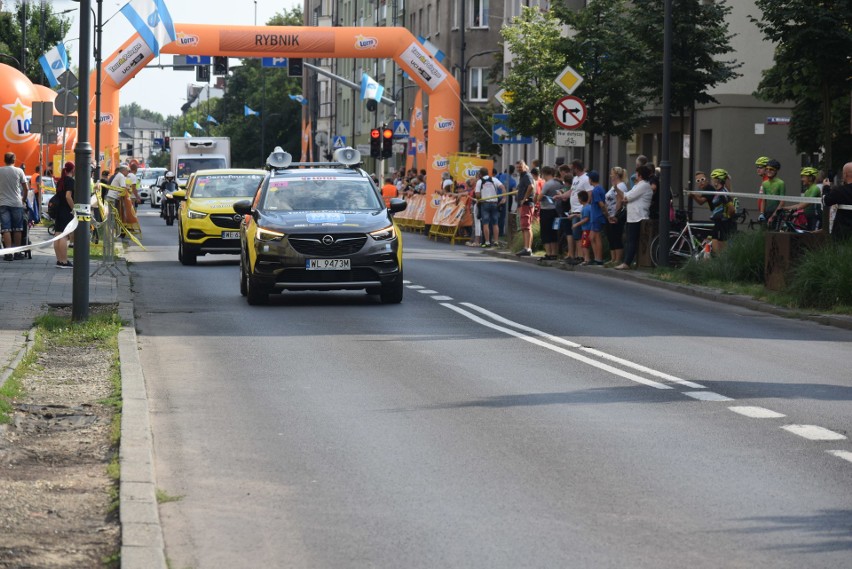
(192, 214)
(385, 234)
(268, 235)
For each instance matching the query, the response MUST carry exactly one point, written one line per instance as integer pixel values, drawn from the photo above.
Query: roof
(138, 123)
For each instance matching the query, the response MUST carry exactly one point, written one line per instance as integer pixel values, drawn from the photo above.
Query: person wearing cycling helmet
(811, 211)
(772, 186)
(720, 212)
(760, 164)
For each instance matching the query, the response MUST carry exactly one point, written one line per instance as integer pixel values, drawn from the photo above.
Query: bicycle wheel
(675, 256)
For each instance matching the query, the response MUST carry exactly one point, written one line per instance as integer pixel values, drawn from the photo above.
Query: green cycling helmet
(809, 171)
(761, 162)
(719, 174)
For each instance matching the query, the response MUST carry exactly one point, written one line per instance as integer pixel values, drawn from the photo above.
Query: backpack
(53, 207)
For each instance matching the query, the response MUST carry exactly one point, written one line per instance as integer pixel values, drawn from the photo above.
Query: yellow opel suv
(207, 223)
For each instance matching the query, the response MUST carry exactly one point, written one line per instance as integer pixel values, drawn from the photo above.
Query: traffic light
(167, 144)
(387, 142)
(202, 73)
(220, 65)
(376, 143)
(294, 67)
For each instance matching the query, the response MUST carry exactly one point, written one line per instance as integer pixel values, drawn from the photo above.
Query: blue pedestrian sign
(502, 134)
(274, 62)
(401, 129)
(338, 142)
(198, 60)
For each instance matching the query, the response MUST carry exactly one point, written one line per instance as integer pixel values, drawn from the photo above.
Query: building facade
(140, 138)
(729, 134)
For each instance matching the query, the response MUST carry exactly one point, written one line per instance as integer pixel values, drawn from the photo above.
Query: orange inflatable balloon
(50, 150)
(16, 113)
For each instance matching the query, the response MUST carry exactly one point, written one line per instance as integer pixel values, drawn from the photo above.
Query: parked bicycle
(688, 243)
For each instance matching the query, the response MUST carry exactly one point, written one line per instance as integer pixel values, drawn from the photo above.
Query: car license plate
(230, 235)
(327, 264)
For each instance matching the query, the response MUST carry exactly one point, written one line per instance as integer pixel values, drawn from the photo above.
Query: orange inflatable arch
(295, 41)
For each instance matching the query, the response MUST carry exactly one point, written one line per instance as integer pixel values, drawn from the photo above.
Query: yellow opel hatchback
(207, 223)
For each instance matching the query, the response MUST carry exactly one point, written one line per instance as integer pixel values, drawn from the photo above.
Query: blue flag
(370, 88)
(211, 119)
(186, 134)
(198, 126)
(152, 21)
(248, 112)
(298, 98)
(54, 63)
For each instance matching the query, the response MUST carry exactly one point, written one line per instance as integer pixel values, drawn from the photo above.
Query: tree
(602, 50)
(44, 29)
(813, 69)
(534, 38)
(136, 110)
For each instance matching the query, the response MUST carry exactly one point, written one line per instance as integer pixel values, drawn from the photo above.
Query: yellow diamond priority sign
(569, 80)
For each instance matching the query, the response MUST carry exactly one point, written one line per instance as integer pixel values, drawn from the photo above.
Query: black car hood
(326, 221)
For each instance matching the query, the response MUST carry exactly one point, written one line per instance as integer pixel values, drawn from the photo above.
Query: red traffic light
(387, 133)
(375, 133)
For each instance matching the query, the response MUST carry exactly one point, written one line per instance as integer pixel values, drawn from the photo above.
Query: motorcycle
(168, 204)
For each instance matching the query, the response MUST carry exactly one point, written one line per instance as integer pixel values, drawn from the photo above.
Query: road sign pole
(665, 163)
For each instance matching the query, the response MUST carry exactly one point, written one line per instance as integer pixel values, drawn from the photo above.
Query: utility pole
(665, 162)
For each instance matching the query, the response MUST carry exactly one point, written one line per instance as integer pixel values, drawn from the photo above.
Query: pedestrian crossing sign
(339, 142)
(401, 129)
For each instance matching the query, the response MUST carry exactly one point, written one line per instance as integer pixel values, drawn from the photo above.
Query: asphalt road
(504, 415)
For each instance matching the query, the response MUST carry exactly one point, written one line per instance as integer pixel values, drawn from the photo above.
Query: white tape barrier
(791, 199)
(72, 225)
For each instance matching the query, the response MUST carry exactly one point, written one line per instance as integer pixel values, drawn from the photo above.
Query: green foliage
(99, 328)
(601, 48)
(742, 261)
(136, 110)
(821, 277)
(518, 239)
(534, 40)
(41, 20)
(813, 69)
(700, 43)
(160, 160)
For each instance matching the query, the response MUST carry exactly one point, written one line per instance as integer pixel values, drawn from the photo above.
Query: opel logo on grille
(327, 240)
(238, 218)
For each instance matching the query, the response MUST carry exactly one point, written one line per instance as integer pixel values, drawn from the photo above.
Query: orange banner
(301, 42)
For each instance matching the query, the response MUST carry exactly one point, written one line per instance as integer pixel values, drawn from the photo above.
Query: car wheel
(392, 293)
(243, 279)
(256, 293)
(186, 256)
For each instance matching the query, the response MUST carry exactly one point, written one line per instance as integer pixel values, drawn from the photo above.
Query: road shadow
(832, 527)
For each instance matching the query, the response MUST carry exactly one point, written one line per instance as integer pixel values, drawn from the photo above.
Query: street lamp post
(665, 162)
(463, 88)
(83, 159)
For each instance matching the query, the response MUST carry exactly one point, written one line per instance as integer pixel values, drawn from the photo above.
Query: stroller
(25, 236)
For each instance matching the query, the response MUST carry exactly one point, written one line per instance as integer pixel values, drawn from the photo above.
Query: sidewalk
(27, 288)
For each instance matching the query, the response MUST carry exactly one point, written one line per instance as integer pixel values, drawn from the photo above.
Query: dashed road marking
(814, 433)
(443, 298)
(844, 454)
(406, 282)
(415, 287)
(756, 412)
(570, 344)
(428, 291)
(706, 396)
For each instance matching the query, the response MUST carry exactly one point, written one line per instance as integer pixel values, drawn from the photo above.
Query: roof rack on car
(344, 157)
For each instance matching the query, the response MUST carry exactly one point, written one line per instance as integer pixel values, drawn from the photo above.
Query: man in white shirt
(13, 197)
(491, 191)
(133, 183)
(579, 182)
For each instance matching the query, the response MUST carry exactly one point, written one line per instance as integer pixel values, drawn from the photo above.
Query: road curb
(142, 545)
(705, 293)
(9, 369)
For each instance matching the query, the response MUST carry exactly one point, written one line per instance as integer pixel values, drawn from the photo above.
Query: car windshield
(189, 165)
(149, 175)
(321, 193)
(225, 185)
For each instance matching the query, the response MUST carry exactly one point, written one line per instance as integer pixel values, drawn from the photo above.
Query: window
(437, 17)
(478, 11)
(455, 14)
(420, 29)
(477, 89)
(428, 20)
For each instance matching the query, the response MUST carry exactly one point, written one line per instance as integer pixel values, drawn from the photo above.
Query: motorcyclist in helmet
(168, 185)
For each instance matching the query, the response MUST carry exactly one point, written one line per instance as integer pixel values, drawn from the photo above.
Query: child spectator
(584, 224)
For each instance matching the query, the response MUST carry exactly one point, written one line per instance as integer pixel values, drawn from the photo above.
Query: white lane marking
(844, 454)
(706, 396)
(427, 291)
(756, 412)
(415, 287)
(563, 341)
(563, 351)
(442, 297)
(814, 433)
(406, 282)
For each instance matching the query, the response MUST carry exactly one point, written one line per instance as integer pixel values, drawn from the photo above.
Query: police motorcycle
(168, 203)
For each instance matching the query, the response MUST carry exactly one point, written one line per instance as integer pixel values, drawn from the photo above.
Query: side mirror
(179, 194)
(397, 204)
(243, 207)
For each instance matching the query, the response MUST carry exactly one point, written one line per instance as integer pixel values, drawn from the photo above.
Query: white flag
(152, 20)
(370, 88)
(54, 63)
